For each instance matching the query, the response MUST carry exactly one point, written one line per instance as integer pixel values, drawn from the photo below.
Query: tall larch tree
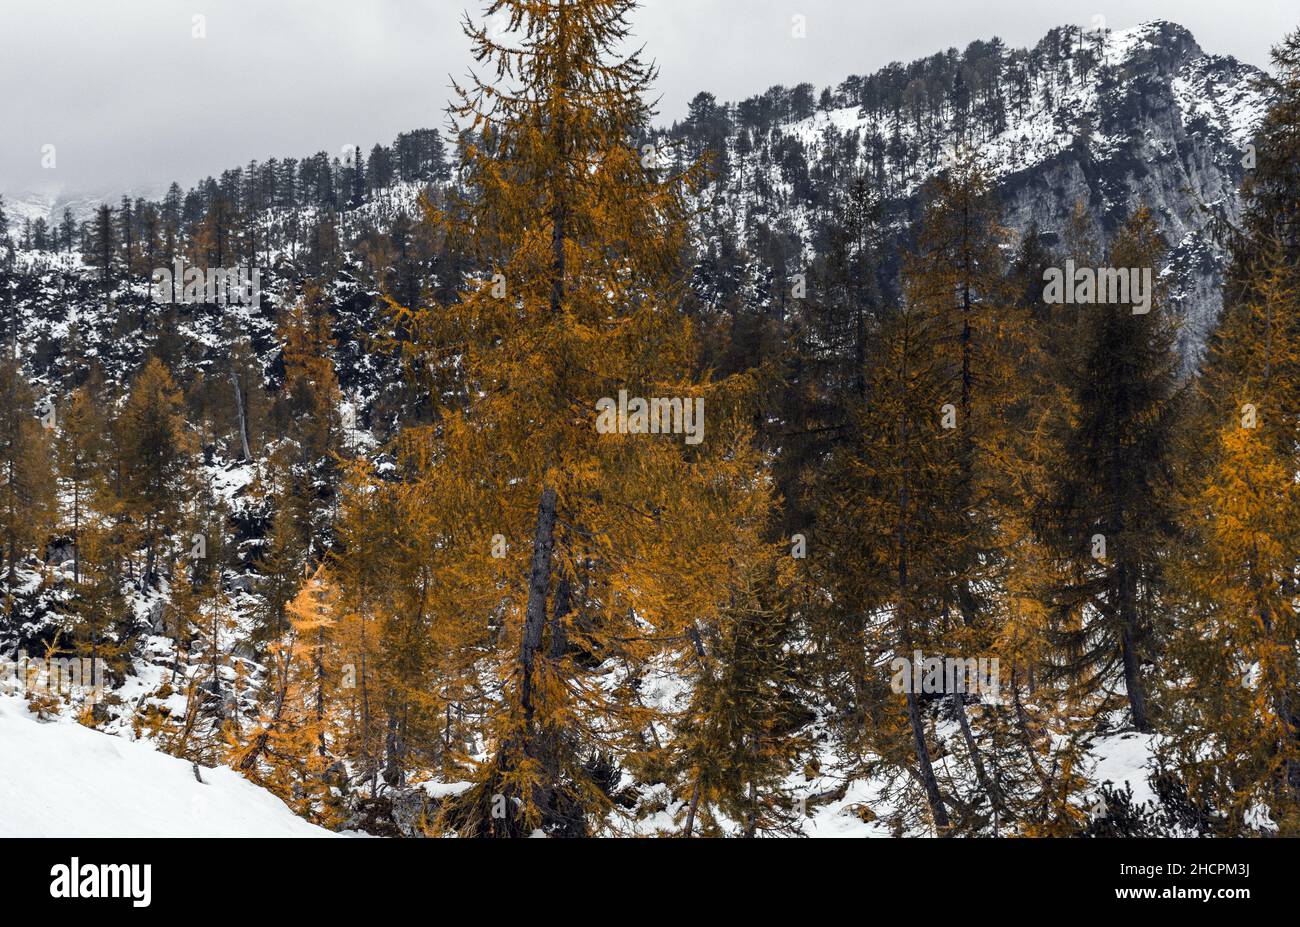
(158, 453)
(77, 448)
(1235, 716)
(614, 542)
(956, 274)
(26, 472)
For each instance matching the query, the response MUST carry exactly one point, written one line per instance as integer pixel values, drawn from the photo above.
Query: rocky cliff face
(1173, 134)
(1112, 120)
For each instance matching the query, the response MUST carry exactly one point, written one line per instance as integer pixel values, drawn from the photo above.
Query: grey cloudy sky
(128, 97)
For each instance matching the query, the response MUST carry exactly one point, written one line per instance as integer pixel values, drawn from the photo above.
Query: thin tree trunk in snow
(539, 580)
(239, 410)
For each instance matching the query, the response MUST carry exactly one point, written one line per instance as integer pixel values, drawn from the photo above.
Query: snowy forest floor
(60, 779)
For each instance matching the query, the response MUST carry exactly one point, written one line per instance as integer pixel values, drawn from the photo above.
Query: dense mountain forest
(563, 472)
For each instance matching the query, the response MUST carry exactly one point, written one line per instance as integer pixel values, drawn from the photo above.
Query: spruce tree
(886, 522)
(103, 242)
(1112, 511)
(737, 740)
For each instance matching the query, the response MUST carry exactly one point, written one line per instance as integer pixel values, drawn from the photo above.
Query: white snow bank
(60, 779)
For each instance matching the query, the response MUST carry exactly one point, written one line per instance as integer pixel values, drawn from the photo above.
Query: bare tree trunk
(959, 709)
(751, 823)
(935, 799)
(539, 580)
(368, 757)
(76, 532)
(932, 794)
(695, 804)
(319, 661)
(212, 661)
(701, 657)
(1132, 672)
(239, 411)
(394, 774)
(981, 774)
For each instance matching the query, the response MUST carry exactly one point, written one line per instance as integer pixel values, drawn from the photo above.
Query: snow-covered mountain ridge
(1112, 120)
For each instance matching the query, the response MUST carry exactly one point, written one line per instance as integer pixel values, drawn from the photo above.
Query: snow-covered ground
(59, 779)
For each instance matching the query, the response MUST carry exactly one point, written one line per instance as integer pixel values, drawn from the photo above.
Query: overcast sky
(128, 97)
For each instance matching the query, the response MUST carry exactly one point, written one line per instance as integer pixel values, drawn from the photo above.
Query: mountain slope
(1110, 120)
(60, 779)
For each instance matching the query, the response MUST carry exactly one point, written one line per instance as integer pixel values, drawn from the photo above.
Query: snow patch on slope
(59, 779)
(1221, 92)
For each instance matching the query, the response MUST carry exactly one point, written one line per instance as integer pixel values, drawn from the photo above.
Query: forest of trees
(289, 204)
(468, 584)
(913, 111)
